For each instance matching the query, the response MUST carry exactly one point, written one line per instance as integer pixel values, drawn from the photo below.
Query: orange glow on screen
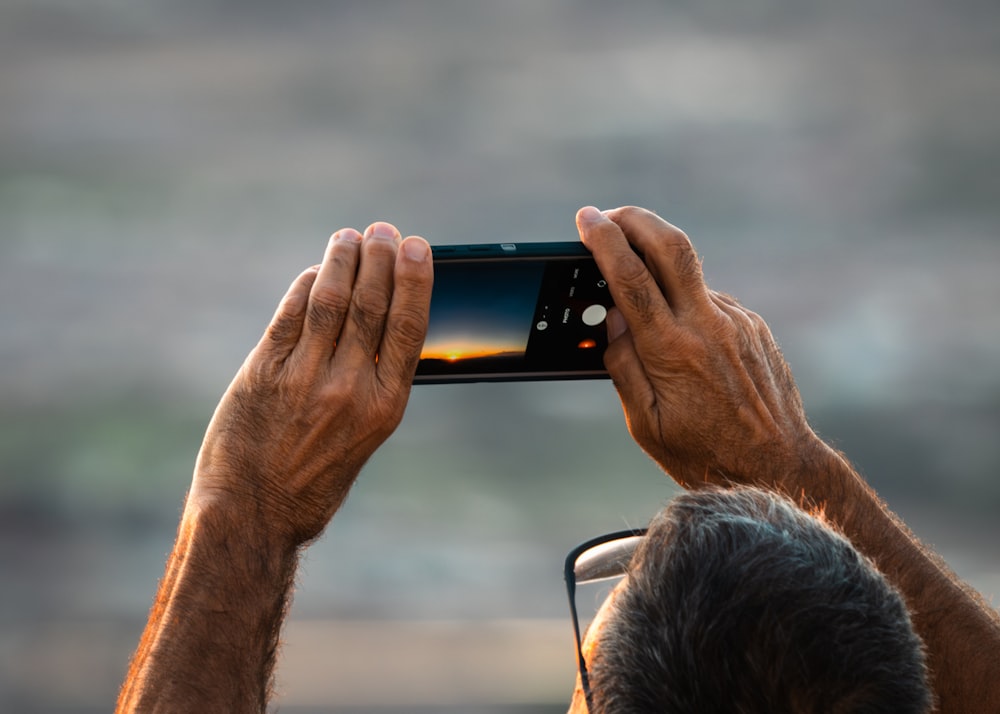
(587, 344)
(453, 352)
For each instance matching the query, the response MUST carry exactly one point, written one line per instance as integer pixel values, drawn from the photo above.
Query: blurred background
(167, 167)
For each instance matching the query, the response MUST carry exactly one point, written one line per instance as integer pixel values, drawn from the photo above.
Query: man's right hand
(708, 395)
(705, 389)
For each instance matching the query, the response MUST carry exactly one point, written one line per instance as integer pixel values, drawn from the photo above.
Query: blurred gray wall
(166, 168)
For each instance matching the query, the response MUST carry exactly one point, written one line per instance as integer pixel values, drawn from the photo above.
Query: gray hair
(739, 601)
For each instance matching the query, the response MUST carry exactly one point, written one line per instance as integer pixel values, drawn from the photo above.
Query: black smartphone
(515, 311)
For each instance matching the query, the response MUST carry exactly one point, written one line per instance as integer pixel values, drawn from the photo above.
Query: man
(736, 600)
(705, 391)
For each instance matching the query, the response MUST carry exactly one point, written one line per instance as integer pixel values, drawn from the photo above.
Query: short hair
(739, 601)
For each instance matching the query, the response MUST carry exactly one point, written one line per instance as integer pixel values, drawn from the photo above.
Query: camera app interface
(481, 314)
(527, 316)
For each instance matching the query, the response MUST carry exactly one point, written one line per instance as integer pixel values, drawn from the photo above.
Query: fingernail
(347, 234)
(616, 324)
(382, 230)
(416, 249)
(589, 214)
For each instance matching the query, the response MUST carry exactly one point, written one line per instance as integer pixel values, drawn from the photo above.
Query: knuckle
(368, 307)
(631, 271)
(371, 295)
(636, 216)
(724, 328)
(750, 324)
(414, 281)
(260, 372)
(383, 250)
(677, 235)
(687, 263)
(369, 332)
(730, 311)
(631, 213)
(367, 313)
(408, 326)
(284, 329)
(757, 323)
(321, 318)
(370, 299)
(740, 319)
(344, 256)
(327, 306)
(639, 301)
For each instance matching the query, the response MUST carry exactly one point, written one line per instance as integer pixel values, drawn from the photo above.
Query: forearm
(213, 631)
(961, 631)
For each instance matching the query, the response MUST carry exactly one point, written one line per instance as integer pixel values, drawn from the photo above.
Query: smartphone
(515, 311)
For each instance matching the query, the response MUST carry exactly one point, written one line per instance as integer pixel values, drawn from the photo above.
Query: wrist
(287, 498)
(239, 521)
(822, 479)
(249, 496)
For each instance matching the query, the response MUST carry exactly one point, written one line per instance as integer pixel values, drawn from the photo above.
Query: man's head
(738, 601)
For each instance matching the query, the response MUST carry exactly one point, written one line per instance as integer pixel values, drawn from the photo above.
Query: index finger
(635, 291)
(283, 332)
(668, 254)
(408, 314)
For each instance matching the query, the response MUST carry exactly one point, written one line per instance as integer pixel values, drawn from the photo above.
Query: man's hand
(705, 389)
(325, 386)
(708, 395)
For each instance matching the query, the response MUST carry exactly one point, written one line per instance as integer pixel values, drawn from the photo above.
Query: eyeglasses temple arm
(581, 663)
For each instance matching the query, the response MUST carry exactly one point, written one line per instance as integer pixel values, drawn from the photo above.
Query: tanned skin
(306, 410)
(705, 391)
(708, 395)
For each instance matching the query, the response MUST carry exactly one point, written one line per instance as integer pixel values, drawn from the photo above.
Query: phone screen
(497, 318)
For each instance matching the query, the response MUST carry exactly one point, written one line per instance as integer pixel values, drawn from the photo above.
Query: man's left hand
(324, 387)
